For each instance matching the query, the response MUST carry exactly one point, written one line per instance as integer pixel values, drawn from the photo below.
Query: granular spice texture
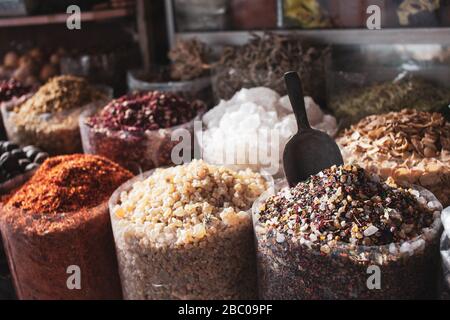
(58, 94)
(49, 118)
(58, 219)
(316, 241)
(185, 233)
(69, 183)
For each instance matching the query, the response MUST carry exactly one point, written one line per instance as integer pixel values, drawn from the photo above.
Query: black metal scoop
(309, 151)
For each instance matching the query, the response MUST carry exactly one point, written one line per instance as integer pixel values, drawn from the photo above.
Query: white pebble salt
(251, 129)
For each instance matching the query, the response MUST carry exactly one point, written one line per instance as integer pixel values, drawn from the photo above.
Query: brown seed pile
(49, 119)
(59, 93)
(410, 146)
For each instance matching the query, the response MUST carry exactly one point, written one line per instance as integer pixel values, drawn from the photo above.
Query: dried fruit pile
(411, 146)
(136, 130)
(145, 111)
(317, 240)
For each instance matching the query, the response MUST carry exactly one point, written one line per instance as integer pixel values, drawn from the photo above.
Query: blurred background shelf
(100, 15)
(333, 36)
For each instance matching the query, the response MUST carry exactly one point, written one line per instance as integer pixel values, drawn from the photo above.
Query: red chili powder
(69, 183)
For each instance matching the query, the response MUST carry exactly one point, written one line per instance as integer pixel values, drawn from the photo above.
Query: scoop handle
(295, 92)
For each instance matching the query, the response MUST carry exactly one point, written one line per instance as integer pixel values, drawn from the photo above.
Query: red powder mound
(69, 183)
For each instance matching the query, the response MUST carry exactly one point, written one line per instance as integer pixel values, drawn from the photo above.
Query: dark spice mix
(346, 204)
(317, 240)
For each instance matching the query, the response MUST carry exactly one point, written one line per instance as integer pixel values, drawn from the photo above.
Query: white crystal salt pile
(251, 129)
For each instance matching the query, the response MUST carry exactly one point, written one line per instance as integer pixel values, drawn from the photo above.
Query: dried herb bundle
(189, 60)
(264, 60)
(389, 96)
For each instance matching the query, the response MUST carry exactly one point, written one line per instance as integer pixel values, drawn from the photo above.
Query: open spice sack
(185, 232)
(48, 118)
(321, 239)
(58, 222)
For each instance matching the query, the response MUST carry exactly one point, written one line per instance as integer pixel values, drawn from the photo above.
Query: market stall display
(410, 146)
(49, 118)
(67, 198)
(185, 233)
(136, 130)
(251, 130)
(320, 239)
(207, 80)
